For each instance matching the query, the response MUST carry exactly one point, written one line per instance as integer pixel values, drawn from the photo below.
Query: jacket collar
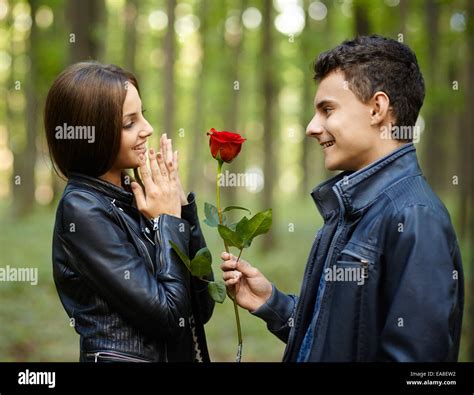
(102, 186)
(353, 191)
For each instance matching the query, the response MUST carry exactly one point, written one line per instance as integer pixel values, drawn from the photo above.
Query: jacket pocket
(359, 263)
(349, 278)
(114, 356)
(365, 266)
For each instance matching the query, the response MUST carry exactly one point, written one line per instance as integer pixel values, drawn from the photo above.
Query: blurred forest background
(237, 65)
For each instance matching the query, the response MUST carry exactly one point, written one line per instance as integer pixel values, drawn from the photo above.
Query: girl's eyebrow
(129, 115)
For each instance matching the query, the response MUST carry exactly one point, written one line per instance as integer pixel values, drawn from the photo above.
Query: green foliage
(217, 290)
(246, 230)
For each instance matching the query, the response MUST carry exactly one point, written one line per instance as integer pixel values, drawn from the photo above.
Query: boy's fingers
(246, 268)
(231, 282)
(231, 275)
(227, 255)
(228, 265)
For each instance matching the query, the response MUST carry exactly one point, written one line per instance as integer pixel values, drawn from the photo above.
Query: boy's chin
(332, 166)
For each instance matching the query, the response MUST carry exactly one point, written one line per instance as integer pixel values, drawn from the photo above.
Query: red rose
(225, 145)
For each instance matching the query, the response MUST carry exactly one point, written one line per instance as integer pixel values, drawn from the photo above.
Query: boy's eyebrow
(324, 102)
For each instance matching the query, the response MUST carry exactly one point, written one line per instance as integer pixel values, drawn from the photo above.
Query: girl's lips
(140, 149)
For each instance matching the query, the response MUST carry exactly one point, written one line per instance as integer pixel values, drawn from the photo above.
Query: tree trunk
(467, 182)
(361, 18)
(195, 172)
(130, 39)
(269, 92)
(25, 160)
(169, 44)
(434, 145)
(87, 19)
(233, 109)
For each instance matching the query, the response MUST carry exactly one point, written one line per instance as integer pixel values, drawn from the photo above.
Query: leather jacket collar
(353, 191)
(102, 186)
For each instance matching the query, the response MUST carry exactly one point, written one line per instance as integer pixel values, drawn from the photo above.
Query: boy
(383, 281)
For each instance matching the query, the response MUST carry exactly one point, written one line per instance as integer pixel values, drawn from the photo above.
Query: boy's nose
(314, 128)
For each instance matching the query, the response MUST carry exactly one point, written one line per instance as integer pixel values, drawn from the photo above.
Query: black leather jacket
(126, 292)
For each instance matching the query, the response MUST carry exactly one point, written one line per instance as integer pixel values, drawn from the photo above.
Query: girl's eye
(128, 126)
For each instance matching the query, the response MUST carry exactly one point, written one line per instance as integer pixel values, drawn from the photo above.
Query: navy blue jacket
(384, 280)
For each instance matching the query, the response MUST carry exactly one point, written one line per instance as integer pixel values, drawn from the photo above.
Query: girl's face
(135, 131)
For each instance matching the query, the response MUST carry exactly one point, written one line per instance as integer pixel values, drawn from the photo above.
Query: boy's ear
(380, 109)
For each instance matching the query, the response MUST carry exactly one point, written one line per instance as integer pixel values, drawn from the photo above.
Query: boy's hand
(250, 287)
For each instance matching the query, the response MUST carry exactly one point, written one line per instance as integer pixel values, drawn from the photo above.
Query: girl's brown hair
(86, 94)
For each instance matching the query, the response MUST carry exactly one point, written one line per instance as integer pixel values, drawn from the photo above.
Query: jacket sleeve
(100, 251)
(423, 289)
(278, 312)
(204, 301)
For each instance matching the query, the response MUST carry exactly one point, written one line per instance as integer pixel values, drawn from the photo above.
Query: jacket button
(147, 230)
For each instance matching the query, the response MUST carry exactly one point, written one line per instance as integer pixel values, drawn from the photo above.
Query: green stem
(236, 308)
(218, 192)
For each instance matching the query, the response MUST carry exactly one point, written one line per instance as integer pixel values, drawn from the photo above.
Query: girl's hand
(171, 160)
(161, 194)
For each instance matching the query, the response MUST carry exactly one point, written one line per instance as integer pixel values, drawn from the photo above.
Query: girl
(127, 294)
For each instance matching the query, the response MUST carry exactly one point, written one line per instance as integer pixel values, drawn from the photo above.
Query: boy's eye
(327, 109)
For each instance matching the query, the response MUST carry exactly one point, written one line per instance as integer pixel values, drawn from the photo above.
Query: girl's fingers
(169, 153)
(155, 169)
(162, 167)
(163, 139)
(175, 160)
(169, 161)
(145, 173)
(139, 195)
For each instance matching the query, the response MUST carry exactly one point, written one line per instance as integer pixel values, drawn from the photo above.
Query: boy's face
(343, 120)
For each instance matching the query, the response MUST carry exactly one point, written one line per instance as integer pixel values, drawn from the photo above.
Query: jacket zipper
(364, 262)
(158, 233)
(330, 253)
(147, 255)
(113, 356)
(365, 274)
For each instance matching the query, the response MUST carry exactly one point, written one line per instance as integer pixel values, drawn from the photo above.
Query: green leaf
(230, 237)
(259, 224)
(212, 215)
(217, 291)
(201, 263)
(240, 226)
(181, 255)
(236, 208)
(240, 229)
